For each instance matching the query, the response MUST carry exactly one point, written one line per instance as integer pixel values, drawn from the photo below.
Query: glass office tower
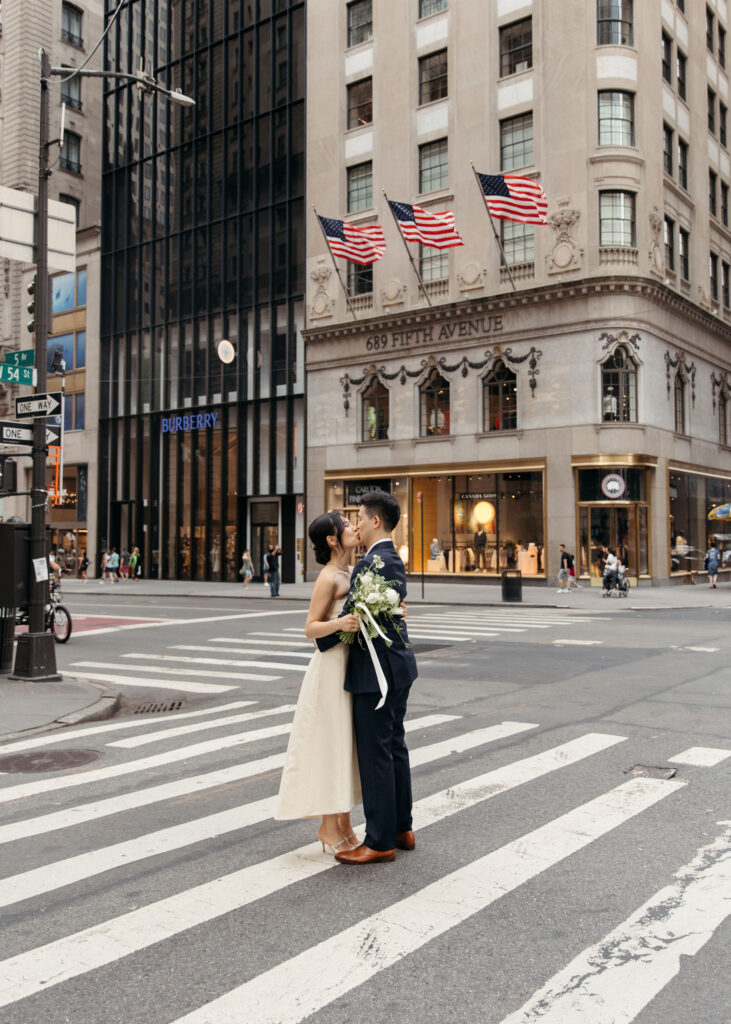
(203, 240)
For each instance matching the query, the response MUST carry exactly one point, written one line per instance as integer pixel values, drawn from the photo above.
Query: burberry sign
(476, 327)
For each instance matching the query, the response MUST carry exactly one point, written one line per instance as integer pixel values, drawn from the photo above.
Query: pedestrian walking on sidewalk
(273, 555)
(711, 563)
(566, 579)
(247, 570)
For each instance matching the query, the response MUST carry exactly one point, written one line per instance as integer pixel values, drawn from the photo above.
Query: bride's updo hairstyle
(328, 525)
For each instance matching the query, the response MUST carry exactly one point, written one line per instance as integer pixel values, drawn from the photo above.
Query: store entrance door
(262, 535)
(621, 527)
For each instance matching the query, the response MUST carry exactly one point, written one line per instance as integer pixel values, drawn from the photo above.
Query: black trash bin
(512, 585)
(7, 636)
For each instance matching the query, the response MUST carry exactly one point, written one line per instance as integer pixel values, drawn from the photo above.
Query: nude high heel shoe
(333, 850)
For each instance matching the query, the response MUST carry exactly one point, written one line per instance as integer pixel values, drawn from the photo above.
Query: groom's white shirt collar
(383, 540)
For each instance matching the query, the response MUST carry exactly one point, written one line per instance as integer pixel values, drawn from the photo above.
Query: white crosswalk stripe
(458, 770)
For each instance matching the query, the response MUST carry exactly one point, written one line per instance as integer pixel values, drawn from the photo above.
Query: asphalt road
(151, 885)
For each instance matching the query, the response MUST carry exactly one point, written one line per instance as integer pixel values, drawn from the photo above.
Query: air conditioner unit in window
(523, 66)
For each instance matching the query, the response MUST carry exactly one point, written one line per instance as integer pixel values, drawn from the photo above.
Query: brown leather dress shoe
(364, 855)
(406, 840)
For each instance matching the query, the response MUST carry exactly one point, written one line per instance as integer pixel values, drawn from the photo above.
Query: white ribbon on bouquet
(382, 683)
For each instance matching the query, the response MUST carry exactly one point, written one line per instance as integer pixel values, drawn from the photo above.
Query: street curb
(105, 706)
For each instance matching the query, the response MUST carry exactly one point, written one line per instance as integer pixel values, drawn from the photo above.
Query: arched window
(722, 419)
(619, 388)
(500, 399)
(434, 405)
(375, 411)
(679, 403)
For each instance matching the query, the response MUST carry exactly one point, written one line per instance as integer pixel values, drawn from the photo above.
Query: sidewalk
(481, 592)
(29, 707)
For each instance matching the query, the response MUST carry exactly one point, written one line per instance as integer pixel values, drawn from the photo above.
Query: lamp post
(35, 657)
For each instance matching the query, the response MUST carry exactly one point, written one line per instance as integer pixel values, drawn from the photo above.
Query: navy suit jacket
(398, 661)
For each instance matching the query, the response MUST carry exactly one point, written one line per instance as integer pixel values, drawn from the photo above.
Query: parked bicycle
(57, 618)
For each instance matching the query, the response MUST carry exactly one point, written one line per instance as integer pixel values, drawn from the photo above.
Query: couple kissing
(347, 741)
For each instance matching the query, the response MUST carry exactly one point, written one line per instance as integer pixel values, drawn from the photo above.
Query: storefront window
(375, 411)
(500, 395)
(691, 499)
(615, 517)
(434, 405)
(478, 523)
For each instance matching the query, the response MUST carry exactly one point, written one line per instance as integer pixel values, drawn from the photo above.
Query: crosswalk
(86, 838)
(220, 664)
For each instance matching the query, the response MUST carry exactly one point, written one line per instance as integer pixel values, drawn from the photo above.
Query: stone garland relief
(688, 371)
(719, 385)
(566, 255)
(464, 365)
(623, 338)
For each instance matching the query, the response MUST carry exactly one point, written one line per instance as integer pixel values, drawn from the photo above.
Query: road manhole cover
(47, 760)
(650, 771)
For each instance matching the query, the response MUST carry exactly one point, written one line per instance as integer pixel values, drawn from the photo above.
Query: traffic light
(8, 476)
(31, 307)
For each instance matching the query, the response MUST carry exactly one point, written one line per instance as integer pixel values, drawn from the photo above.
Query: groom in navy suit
(383, 759)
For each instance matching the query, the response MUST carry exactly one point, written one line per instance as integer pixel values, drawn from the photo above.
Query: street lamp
(35, 657)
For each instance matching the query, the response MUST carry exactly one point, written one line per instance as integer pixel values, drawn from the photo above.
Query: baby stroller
(615, 582)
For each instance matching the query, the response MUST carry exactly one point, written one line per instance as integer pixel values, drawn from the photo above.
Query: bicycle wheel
(60, 621)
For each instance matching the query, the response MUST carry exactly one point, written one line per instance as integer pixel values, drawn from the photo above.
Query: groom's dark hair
(383, 504)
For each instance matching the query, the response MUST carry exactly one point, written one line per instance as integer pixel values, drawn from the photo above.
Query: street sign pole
(35, 655)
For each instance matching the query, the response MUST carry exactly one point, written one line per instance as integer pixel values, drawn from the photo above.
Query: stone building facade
(571, 387)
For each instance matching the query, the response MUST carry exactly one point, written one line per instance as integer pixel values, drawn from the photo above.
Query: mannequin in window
(372, 422)
(437, 422)
(480, 546)
(609, 405)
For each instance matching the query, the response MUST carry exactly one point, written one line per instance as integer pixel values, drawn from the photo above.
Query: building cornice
(631, 286)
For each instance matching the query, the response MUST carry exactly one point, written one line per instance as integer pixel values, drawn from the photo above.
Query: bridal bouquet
(372, 596)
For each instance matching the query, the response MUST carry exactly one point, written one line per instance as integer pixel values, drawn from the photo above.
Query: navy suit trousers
(383, 759)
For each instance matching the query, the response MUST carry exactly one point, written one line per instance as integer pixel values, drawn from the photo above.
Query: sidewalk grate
(648, 771)
(149, 709)
(47, 760)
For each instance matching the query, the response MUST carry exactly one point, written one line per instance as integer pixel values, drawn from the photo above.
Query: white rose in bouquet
(392, 597)
(373, 598)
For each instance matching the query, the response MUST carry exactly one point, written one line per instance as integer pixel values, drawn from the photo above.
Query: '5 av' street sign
(38, 405)
(18, 374)
(22, 433)
(20, 357)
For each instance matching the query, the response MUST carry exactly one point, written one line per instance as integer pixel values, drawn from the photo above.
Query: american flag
(514, 198)
(360, 245)
(434, 229)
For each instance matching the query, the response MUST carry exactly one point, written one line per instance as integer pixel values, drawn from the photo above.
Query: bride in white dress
(320, 776)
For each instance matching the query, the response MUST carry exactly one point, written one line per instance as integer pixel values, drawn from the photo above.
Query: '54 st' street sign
(18, 374)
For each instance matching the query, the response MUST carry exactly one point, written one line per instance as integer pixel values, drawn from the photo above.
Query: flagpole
(492, 225)
(332, 257)
(408, 251)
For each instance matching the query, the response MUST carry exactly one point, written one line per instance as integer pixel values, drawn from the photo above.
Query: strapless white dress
(320, 774)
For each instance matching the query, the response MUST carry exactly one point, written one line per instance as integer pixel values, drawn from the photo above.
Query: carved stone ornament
(656, 254)
(623, 338)
(687, 372)
(463, 365)
(565, 256)
(6, 278)
(471, 277)
(322, 303)
(394, 294)
(720, 385)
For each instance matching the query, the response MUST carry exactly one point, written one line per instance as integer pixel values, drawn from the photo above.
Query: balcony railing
(361, 303)
(71, 101)
(518, 271)
(622, 255)
(70, 165)
(70, 37)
